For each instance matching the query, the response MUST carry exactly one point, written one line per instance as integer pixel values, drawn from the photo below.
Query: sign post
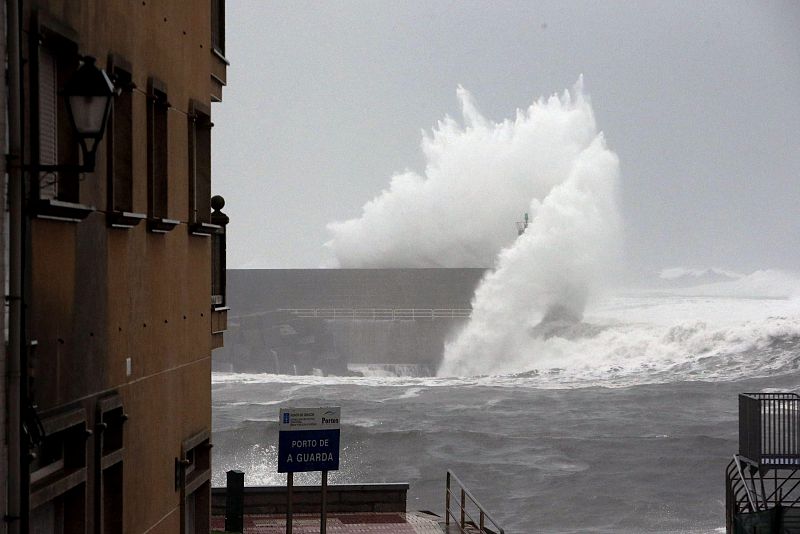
(289, 486)
(308, 440)
(323, 521)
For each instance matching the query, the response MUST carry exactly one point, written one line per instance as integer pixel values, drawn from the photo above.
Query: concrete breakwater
(334, 321)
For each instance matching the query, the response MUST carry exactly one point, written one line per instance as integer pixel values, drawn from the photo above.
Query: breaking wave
(635, 354)
(564, 257)
(617, 352)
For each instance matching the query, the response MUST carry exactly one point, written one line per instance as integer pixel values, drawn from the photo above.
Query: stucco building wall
(119, 319)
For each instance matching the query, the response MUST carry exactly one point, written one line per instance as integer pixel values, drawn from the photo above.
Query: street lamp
(88, 96)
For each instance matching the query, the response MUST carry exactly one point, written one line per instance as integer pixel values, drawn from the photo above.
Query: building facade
(109, 415)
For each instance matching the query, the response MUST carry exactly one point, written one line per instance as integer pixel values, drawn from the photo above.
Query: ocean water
(621, 423)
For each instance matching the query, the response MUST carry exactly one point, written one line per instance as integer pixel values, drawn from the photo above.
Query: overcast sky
(700, 100)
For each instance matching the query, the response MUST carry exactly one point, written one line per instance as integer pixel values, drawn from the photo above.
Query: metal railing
(769, 429)
(749, 489)
(461, 522)
(380, 314)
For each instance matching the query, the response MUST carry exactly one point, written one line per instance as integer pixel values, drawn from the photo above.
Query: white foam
(479, 178)
(391, 369)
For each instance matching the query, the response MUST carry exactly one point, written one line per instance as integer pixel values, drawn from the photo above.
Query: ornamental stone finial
(217, 217)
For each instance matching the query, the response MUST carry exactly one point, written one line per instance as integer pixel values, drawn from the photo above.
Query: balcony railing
(769, 429)
(218, 253)
(219, 309)
(762, 482)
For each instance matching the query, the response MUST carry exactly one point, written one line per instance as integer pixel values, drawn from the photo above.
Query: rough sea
(623, 422)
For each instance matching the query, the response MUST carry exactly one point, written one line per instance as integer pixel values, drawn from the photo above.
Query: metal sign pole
(289, 484)
(324, 518)
(308, 441)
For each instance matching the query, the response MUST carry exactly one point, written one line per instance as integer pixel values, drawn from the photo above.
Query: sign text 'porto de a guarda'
(308, 439)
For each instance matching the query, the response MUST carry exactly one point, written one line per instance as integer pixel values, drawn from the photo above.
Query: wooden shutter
(218, 25)
(203, 169)
(217, 267)
(192, 122)
(48, 122)
(157, 146)
(199, 163)
(123, 151)
(160, 157)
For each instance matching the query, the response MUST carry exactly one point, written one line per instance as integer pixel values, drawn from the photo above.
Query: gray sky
(700, 100)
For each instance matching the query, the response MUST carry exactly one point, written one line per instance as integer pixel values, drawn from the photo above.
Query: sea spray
(549, 161)
(479, 178)
(561, 260)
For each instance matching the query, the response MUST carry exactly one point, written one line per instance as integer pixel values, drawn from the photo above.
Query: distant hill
(682, 277)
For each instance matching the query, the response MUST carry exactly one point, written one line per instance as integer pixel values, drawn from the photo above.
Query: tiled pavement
(363, 523)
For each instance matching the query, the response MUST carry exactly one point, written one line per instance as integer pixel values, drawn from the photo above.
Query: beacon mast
(522, 225)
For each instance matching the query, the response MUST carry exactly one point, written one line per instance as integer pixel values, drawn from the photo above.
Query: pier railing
(769, 429)
(463, 507)
(380, 314)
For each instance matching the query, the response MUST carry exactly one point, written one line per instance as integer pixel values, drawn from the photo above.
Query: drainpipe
(15, 193)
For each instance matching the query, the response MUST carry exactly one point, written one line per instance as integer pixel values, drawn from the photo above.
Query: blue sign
(308, 439)
(308, 450)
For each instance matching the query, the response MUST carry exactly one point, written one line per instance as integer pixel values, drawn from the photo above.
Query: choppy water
(625, 426)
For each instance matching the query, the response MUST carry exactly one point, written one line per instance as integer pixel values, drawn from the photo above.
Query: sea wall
(263, 337)
(413, 342)
(307, 499)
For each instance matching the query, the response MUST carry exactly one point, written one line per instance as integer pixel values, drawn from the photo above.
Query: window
(58, 474)
(219, 64)
(218, 26)
(110, 452)
(120, 148)
(122, 145)
(56, 142)
(157, 145)
(218, 269)
(194, 480)
(199, 216)
(55, 59)
(48, 121)
(158, 158)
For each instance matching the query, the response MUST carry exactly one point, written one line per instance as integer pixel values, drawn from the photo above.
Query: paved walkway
(362, 523)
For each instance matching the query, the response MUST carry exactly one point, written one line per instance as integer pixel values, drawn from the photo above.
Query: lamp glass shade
(89, 93)
(89, 113)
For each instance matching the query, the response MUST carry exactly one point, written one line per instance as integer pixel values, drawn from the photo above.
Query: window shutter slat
(48, 122)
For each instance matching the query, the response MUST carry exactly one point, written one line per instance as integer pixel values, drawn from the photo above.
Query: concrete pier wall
(306, 499)
(262, 338)
(409, 342)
